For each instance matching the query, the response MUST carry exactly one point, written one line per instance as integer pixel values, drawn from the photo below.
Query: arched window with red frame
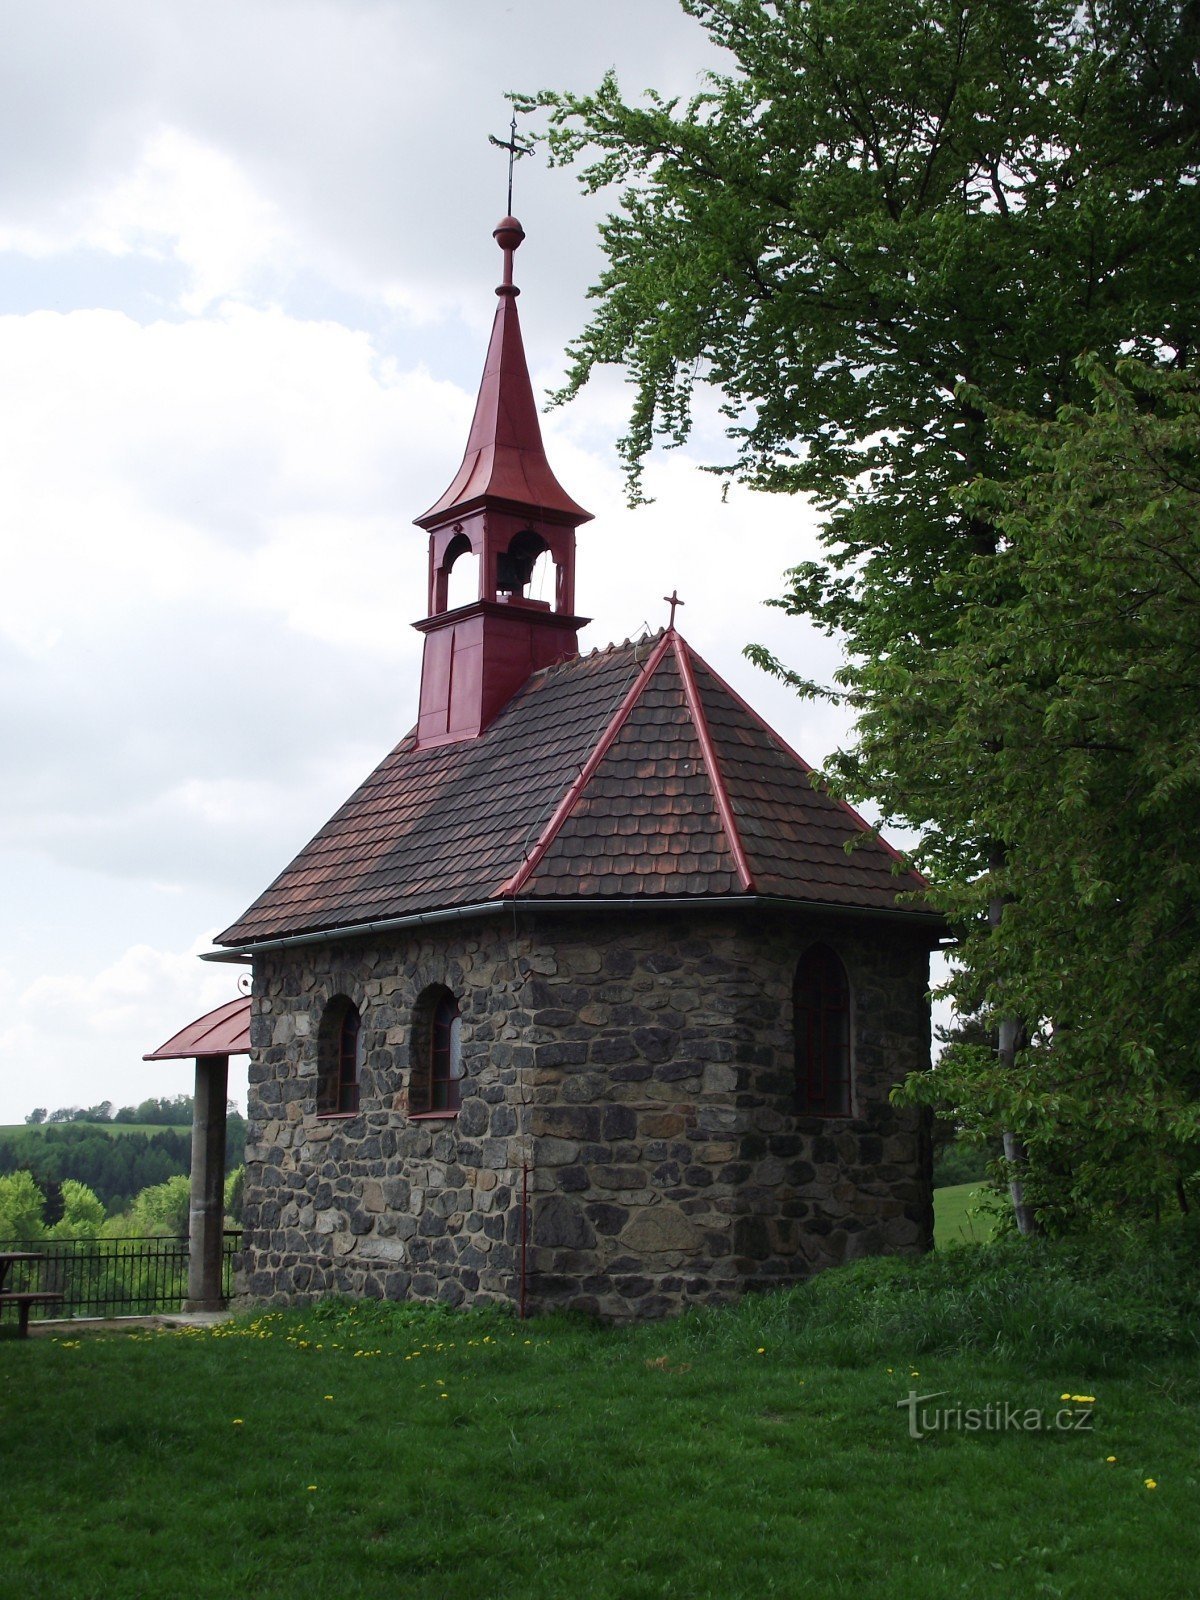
(339, 1058)
(435, 1087)
(821, 1020)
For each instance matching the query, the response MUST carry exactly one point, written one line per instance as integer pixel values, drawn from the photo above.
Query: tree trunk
(1008, 1033)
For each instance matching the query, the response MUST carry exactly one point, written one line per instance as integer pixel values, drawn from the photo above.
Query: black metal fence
(111, 1277)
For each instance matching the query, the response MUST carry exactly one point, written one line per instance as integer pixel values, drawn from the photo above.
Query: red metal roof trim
(720, 793)
(566, 805)
(844, 805)
(223, 1032)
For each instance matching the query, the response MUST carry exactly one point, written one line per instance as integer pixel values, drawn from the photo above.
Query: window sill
(337, 1116)
(432, 1116)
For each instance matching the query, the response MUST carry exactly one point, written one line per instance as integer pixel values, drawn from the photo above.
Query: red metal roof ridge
(715, 775)
(513, 885)
(860, 822)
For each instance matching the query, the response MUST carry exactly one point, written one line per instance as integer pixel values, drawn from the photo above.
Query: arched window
(435, 1085)
(821, 1018)
(339, 1058)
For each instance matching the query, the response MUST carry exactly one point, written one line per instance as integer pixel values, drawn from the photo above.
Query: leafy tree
(21, 1207)
(879, 225)
(163, 1208)
(235, 1139)
(83, 1215)
(235, 1186)
(1089, 767)
(170, 1111)
(36, 1116)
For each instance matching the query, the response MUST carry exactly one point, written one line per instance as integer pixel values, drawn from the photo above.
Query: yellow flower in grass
(1150, 1483)
(1112, 1460)
(237, 1422)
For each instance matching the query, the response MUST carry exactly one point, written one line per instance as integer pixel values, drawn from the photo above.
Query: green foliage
(874, 205)
(235, 1188)
(885, 237)
(1090, 772)
(961, 1162)
(21, 1206)
(163, 1208)
(83, 1214)
(1102, 1303)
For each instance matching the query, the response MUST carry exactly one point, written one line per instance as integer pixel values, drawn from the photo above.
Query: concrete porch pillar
(206, 1212)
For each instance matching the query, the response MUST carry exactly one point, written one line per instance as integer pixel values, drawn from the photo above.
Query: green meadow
(769, 1449)
(964, 1213)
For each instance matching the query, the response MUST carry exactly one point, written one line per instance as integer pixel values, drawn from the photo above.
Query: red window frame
(348, 1062)
(339, 1059)
(445, 1056)
(821, 1022)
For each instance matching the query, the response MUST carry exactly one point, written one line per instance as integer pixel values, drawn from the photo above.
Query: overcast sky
(246, 275)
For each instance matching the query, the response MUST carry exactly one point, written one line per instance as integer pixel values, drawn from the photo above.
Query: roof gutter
(492, 908)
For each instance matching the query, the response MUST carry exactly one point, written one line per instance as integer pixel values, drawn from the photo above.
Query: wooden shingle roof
(634, 772)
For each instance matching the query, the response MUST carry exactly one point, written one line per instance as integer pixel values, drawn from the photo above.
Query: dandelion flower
(237, 1422)
(1150, 1483)
(1111, 1460)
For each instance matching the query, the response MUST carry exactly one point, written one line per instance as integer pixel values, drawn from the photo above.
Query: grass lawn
(380, 1451)
(960, 1219)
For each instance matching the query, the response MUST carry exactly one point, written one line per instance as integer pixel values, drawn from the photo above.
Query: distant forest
(86, 1146)
(169, 1111)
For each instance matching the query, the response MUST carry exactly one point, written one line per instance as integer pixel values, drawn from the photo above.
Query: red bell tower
(506, 506)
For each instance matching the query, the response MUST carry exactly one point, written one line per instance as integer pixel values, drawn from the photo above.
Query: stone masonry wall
(638, 1065)
(671, 1166)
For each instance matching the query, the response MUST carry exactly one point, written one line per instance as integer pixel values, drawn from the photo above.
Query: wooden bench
(24, 1299)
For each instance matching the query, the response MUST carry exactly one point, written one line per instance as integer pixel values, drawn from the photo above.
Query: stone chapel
(587, 997)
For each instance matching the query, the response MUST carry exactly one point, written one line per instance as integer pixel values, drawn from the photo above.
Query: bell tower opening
(458, 576)
(526, 558)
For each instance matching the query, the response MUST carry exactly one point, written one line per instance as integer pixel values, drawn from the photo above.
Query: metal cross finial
(672, 600)
(515, 149)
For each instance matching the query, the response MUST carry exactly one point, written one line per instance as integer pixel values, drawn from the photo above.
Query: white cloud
(66, 1036)
(182, 201)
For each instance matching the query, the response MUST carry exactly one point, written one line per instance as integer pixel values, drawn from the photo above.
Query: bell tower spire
(505, 508)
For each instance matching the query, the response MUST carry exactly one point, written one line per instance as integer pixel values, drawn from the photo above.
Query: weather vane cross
(672, 600)
(516, 148)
